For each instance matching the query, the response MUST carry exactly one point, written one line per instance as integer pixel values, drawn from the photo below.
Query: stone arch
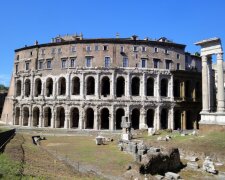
(18, 87)
(177, 120)
(189, 120)
(105, 86)
(135, 118)
(90, 88)
(164, 118)
(150, 117)
(176, 88)
(135, 86)
(60, 116)
(120, 86)
(47, 116)
(164, 87)
(27, 87)
(105, 118)
(76, 86)
(119, 114)
(36, 116)
(89, 118)
(17, 116)
(26, 114)
(150, 86)
(49, 87)
(38, 87)
(74, 117)
(62, 86)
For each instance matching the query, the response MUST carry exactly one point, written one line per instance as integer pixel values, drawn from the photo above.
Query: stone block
(172, 176)
(192, 165)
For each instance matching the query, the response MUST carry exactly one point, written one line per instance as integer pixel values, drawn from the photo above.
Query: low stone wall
(211, 127)
(152, 160)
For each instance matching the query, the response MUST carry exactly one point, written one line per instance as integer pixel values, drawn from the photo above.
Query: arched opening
(119, 114)
(104, 118)
(60, 117)
(74, 117)
(90, 86)
(26, 115)
(177, 120)
(47, 117)
(176, 88)
(135, 86)
(164, 119)
(36, 116)
(49, 87)
(27, 88)
(75, 86)
(17, 116)
(187, 89)
(105, 88)
(198, 91)
(18, 87)
(150, 118)
(62, 86)
(189, 120)
(89, 118)
(120, 87)
(38, 87)
(150, 87)
(135, 118)
(164, 87)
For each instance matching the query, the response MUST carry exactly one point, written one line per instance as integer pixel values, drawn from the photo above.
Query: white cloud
(4, 79)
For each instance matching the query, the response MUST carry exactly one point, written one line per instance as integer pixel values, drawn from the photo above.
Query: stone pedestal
(126, 137)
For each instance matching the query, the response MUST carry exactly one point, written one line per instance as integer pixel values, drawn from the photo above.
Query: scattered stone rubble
(150, 159)
(208, 166)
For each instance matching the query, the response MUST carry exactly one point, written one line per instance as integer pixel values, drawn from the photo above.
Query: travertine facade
(91, 83)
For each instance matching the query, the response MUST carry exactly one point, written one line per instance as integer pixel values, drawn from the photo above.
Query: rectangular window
(64, 65)
(125, 62)
(156, 63)
(178, 66)
(178, 56)
(168, 64)
(105, 48)
(121, 49)
(40, 64)
(27, 66)
(16, 68)
(72, 62)
(107, 62)
(59, 51)
(43, 51)
(53, 50)
(166, 51)
(73, 48)
(135, 48)
(18, 57)
(143, 63)
(88, 48)
(144, 49)
(88, 61)
(155, 49)
(31, 53)
(49, 64)
(96, 48)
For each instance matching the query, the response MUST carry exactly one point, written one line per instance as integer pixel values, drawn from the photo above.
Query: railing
(5, 137)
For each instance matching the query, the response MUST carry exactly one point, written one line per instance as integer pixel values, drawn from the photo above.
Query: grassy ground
(106, 158)
(23, 160)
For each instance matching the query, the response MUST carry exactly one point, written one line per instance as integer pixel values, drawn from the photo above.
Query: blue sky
(183, 21)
